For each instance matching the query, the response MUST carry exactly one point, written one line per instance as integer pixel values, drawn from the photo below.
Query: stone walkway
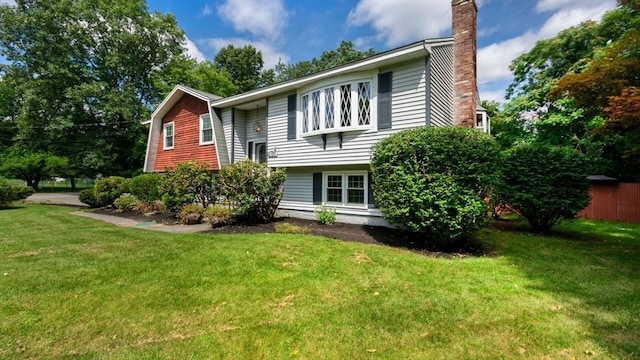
(72, 200)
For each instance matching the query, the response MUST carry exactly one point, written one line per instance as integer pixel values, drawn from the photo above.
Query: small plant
(190, 214)
(286, 228)
(325, 215)
(217, 215)
(125, 202)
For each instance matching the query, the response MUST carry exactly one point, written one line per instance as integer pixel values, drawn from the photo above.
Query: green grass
(76, 287)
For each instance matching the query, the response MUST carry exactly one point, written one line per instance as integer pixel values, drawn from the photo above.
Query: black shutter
(384, 100)
(250, 150)
(317, 188)
(291, 117)
(372, 202)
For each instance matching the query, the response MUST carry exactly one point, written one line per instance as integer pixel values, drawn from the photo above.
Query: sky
(295, 30)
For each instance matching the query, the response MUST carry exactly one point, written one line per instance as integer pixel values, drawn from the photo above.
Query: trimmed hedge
(545, 184)
(436, 181)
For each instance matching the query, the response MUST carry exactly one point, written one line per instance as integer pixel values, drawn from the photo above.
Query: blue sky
(294, 30)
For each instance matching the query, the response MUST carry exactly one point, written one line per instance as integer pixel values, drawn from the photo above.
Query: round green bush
(107, 190)
(545, 184)
(436, 181)
(146, 186)
(9, 194)
(87, 196)
(125, 202)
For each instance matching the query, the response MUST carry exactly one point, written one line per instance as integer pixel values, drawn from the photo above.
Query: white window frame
(165, 137)
(307, 120)
(202, 129)
(256, 154)
(345, 195)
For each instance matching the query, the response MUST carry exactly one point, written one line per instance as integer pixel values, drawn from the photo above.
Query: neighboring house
(322, 127)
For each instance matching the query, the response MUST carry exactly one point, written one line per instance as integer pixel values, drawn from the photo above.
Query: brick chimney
(465, 14)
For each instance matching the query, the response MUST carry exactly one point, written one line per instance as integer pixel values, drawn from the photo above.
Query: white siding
(408, 111)
(152, 144)
(441, 71)
(298, 188)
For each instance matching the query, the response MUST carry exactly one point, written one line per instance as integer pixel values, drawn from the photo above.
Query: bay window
(338, 107)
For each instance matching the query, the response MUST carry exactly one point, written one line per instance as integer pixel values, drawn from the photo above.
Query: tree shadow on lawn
(595, 274)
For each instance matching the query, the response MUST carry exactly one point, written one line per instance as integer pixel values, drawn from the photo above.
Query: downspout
(427, 85)
(233, 135)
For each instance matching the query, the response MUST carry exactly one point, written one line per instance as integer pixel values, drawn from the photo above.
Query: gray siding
(408, 104)
(221, 143)
(441, 81)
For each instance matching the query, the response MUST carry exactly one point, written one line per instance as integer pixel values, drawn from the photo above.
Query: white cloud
(7, 2)
(497, 95)
(265, 19)
(206, 10)
(398, 22)
(193, 51)
(270, 55)
(551, 5)
(494, 60)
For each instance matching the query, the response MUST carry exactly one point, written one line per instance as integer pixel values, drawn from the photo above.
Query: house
(321, 127)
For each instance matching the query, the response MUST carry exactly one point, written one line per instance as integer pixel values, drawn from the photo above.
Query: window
(337, 107)
(168, 136)
(206, 130)
(346, 189)
(257, 152)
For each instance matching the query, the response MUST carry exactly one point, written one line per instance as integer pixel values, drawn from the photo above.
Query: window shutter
(250, 150)
(384, 100)
(291, 117)
(317, 188)
(372, 202)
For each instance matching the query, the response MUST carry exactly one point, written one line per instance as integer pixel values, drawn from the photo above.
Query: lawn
(81, 288)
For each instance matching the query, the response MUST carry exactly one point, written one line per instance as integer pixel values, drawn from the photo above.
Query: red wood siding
(186, 131)
(614, 202)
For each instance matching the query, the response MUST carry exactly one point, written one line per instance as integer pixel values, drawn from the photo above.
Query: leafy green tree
(84, 73)
(344, 53)
(545, 184)
(32, 167)
(435, 181)
(244, 65)
(205, 76)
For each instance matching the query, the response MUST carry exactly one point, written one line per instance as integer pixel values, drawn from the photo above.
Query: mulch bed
(347, 232)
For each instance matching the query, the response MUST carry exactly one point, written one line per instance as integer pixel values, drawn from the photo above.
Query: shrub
(9, 194)
(286, 228)
(107, 190)
(146, 187)
(125, 202)
(254, 190)
(87, 196)
(545, 184)
(189, 182)
(436, 181)
(190, 214)
(217, 215)
(325, 215)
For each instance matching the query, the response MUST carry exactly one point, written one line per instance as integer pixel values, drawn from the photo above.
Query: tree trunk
(73, 183)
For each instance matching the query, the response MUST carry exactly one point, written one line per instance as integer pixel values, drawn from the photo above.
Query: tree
(244, 65)
(541, 108)
(435, 181)
(545, 184)
(205, 76)
(345, 53)
(32, 167)
(84, 74)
